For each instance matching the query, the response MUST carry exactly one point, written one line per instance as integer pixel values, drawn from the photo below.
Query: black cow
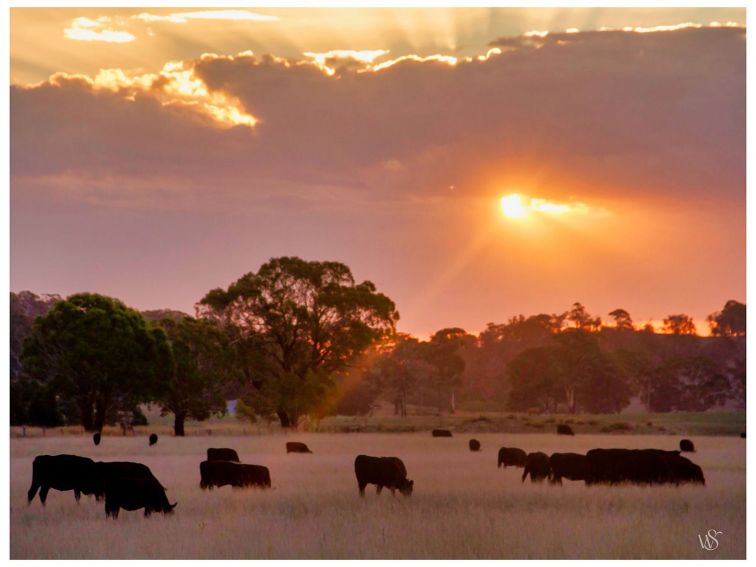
(640, 466)
(153, 439)
(474, 445)
(686, 446)
(96, 438)
(63, 472)
(441, 433)
(571, 466)
(222, 455)
(135, 493)
(388, 472)
(564, 429)
(511, 457)
(296, 447)
(121, 469)
(222, 473)
(537, 466)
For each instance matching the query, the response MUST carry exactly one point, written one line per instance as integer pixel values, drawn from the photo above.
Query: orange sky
(157, 153)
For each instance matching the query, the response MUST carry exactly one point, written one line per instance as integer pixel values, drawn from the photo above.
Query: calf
(474, 445)
(511, 457)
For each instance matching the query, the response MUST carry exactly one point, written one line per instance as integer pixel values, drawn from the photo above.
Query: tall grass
(462, 507)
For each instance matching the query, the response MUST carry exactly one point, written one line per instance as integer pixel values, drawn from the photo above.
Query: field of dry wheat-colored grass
(462, 507)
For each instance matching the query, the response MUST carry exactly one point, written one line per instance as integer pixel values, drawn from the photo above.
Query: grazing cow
(63, 472)
(537, 466)
(153, 439)
(222, 455)
(511, 457)
(474, 445)
(564, 429)
(686, 446)
(222, 473)
(296, 447)
(571, 466)
(96, 438)
(640, 466)
(135, 493)
(441, 433)
(388, 472)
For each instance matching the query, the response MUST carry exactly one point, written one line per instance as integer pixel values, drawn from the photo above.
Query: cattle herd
(606, 466)
(132, 486)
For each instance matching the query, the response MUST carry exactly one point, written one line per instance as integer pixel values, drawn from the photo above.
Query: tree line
(300, 338)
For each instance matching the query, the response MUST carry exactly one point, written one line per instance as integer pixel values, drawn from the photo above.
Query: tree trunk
(283, 417)
(99, 420)
(178, 424)
(453, 404)
(85, 409)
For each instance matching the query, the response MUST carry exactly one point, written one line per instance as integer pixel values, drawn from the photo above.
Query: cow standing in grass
(63, 472)
(135, 493)
(388, 472)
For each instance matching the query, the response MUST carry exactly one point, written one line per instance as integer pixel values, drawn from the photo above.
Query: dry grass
(463, 506)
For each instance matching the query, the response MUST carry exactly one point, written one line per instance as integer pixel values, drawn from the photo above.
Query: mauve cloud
(608, 112)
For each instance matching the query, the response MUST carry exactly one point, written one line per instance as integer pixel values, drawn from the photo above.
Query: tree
(582, 319)
(444, 355)
(693, 383)
(201, 366)
(622, 320)
(679, 325)
(97, 353)
(572, 372)
(399, 370)
(535, 374)
(730, 322)
(296, 324)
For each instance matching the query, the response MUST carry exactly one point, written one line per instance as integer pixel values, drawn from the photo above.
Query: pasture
(463, 506)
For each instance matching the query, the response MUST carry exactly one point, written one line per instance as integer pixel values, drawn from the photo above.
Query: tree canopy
(97, 354)
(201, 366)
(298, 322)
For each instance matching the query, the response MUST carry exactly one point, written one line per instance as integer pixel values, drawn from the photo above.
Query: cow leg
(393, 491)
(524, 474)
(43, 494)
(147, 512)
(77, 494)
(378, 488)
(362, 488)
(32, 491)
(111, 511)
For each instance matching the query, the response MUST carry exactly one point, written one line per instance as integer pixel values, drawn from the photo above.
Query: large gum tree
(295, 324)
(98, 354)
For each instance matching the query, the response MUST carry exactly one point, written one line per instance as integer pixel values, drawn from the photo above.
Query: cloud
(185, 17)
(588, 115)
(87, 29)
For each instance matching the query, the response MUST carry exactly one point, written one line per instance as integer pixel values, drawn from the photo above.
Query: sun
(513, 206)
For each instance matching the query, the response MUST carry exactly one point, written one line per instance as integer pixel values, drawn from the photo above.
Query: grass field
(670, 423)
(462, 507)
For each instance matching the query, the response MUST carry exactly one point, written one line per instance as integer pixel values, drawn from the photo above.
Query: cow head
(406, 487)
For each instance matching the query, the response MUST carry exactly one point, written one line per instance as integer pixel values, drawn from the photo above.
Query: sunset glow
(487, 138)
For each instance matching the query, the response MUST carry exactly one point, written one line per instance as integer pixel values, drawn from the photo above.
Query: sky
(474, 164)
